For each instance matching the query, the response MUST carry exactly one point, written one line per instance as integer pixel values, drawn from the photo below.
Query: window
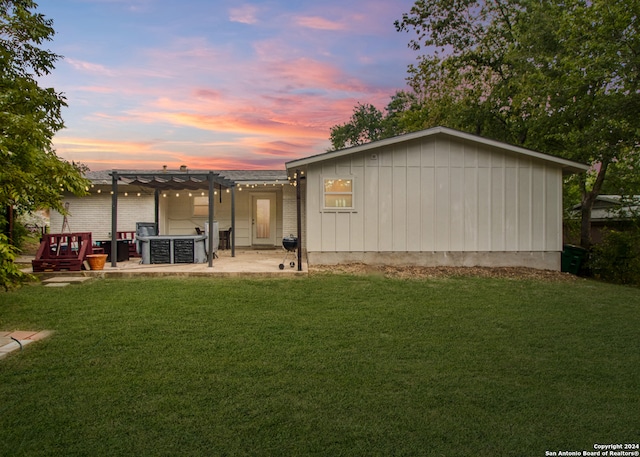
(201, 206)
(338, 193)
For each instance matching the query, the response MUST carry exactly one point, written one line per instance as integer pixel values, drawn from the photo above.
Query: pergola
(171, 180)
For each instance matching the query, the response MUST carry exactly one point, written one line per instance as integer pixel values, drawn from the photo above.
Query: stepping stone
(67, 280)
(58, 284)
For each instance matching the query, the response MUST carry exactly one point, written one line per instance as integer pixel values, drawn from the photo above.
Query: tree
(366, 124)
(32, 176)
(559, 76)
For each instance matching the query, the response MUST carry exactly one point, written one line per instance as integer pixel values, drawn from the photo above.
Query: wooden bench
(62, 252)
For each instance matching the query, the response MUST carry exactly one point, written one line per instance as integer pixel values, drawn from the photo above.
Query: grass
(326, 365)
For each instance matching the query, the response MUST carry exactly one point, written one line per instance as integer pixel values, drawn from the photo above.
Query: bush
(617, 258)
(10, 275)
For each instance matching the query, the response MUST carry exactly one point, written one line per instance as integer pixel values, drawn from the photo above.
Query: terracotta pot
(97, 261)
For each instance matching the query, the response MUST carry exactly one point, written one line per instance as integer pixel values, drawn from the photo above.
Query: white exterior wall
(177, 213)
(92, 213)
(438, 195)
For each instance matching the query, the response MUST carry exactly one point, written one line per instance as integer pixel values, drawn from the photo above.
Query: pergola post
(299, 218)
(210, 234)
(114, 219)
(233, 220)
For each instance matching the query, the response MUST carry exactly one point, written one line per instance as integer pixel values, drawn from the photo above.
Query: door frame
(273, 219)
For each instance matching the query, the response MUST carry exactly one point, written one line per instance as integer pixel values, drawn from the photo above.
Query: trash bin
(572, 258)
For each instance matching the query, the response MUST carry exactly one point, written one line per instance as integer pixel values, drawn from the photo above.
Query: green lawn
(325, 365)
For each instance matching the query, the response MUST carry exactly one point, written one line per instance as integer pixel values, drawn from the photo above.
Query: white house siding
(439, 200)
(92, 213)
(177, 212)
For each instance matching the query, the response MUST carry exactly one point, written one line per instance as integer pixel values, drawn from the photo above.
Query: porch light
(177, 194)
(99, 191)
(138, 194)
(126, 194)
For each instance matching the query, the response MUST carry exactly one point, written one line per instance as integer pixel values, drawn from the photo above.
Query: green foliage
(556, 76)
(10, 274)
(32, 176)
(617, 258)
(366, 124)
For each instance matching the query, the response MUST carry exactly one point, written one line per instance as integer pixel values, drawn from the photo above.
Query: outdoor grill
(290, 244)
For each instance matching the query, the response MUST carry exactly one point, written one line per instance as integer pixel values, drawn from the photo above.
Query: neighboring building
(611, 212)
(432, 198)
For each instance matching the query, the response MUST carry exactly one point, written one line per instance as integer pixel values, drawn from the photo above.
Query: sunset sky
(218, 84)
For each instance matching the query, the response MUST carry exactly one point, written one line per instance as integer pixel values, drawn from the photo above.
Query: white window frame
(324, 194)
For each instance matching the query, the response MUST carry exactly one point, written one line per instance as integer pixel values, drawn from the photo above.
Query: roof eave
(568, 166)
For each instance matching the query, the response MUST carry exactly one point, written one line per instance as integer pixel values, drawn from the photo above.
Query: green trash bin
(572, 258)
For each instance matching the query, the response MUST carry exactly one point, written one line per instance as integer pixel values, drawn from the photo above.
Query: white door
(263, 220)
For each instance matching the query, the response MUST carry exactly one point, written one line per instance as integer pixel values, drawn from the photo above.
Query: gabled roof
(568, 166)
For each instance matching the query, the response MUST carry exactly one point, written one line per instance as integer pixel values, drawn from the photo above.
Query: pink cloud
(245, 14)
(96, 89)
(89, 67)
(318, 23)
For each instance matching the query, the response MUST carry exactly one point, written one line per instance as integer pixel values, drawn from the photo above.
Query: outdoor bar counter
(174, 248)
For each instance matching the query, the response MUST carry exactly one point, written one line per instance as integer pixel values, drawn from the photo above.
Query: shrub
(10, 275)
(617, 258)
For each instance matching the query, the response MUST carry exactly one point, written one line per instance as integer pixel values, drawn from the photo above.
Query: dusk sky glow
(217, 84)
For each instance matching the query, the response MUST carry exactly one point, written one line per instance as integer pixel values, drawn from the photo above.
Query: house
(438, 197)
(263, 204)
(610, 212)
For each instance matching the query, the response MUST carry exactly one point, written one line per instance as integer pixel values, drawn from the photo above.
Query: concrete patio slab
(246, 262)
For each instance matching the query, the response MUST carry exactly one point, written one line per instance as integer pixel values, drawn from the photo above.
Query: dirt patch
(412, 272)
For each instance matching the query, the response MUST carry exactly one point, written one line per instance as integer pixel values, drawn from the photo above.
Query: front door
(264, 220)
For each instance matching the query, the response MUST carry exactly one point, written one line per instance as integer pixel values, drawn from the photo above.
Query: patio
(247, 262)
